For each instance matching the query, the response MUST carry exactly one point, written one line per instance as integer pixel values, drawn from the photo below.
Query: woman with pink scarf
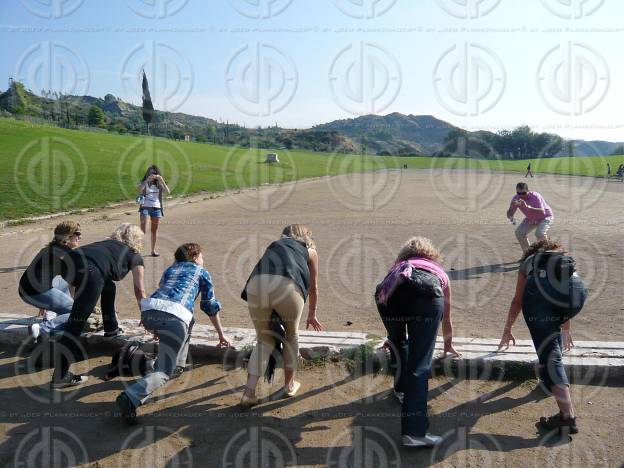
(413, 298)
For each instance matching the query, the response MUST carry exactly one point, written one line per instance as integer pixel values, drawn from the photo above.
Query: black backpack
(130, 360)
(556, 266)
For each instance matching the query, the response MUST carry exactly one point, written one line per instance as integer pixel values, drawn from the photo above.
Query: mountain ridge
(393, 134)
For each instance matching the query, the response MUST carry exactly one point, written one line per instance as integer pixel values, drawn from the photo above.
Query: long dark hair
(153, 169)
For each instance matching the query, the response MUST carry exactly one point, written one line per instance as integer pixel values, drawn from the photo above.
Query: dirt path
(359, 222)
(336, 420)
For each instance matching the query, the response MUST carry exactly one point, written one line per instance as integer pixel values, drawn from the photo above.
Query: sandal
(293, 391)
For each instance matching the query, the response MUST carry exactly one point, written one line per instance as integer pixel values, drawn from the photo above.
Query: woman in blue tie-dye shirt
(168, 313)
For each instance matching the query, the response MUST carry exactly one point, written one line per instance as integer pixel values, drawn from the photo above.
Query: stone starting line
(588, 361)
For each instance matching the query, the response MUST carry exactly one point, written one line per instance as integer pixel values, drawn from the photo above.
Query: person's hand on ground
(223, 343)
(506, 339)
(314, 323)
(448, 349)
(568, 344)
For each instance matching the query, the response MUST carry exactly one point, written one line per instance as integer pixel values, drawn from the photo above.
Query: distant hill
(393, 134)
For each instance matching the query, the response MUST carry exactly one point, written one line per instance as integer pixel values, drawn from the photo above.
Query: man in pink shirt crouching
(538, 215)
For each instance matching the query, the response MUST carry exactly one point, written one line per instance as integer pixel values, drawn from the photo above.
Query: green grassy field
(48, 169)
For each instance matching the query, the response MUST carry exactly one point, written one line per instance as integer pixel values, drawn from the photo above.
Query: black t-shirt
(114, 259)
(46, 265)
(285, 257)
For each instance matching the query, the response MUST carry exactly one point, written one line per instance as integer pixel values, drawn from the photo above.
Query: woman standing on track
(277, 289)
(413, 298)
(151, 191)
(550, 293)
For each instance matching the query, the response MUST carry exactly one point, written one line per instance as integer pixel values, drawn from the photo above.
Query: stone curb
(588, 362)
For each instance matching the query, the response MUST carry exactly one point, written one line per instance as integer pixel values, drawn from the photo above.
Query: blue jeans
(412, 330)
(545, 308)
(53, 299)
(173, 343)
(58, 300)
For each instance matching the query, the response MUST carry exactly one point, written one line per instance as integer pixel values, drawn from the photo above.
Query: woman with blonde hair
(550, 293)
(276, 292)
(93, 270)
(41, 284)
(412, 299)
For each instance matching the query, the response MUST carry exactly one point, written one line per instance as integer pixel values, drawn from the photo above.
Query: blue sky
(538, 62)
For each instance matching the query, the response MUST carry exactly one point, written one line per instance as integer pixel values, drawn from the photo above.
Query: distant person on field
(93, 270)
(608, 170)
(620, 171)
(528, 172)
(151, 191)
(168, 313)
(41, 284)
(413, 298)
(549, 293)
(276, 292)
(539, 216)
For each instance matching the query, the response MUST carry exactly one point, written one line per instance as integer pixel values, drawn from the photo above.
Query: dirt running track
(335, 421)
(359, 222)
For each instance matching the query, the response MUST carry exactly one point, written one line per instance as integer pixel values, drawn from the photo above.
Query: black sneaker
(128, 410)
(177, 372)
(70, 380)
(114, 334)
(559, 422)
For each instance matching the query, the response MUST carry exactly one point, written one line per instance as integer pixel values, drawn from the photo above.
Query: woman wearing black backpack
(412, 300)
(550, 293)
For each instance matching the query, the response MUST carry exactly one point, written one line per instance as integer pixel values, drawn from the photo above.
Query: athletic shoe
(34, 330)
(177, 372)
(70, 380)
(128, 410)
(113, 334)
(428, 440)
(559, 422)
(49, 315)
(399, 396)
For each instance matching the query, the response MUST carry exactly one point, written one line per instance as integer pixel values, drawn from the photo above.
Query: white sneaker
(34, 330)
(399, 396)
(428, 440)
(49, 315)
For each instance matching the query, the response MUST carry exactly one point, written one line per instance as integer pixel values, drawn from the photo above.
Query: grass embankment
(48, 169)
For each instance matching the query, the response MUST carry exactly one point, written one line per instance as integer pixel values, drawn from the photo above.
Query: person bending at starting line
(168, 313)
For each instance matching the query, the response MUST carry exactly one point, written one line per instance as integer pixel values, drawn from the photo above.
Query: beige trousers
(525, 227)
(266, 293)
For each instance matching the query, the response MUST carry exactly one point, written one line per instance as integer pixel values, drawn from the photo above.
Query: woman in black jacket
(93, 270)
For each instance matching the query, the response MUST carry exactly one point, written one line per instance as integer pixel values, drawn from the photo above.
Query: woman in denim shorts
(151, 189)
(550, 293)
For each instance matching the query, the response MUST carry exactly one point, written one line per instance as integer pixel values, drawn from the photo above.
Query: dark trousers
(91, 286)
(412, 329)
(545, 308)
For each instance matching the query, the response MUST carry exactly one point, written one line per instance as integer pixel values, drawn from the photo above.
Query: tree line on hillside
(520, 143)
(391, 135)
